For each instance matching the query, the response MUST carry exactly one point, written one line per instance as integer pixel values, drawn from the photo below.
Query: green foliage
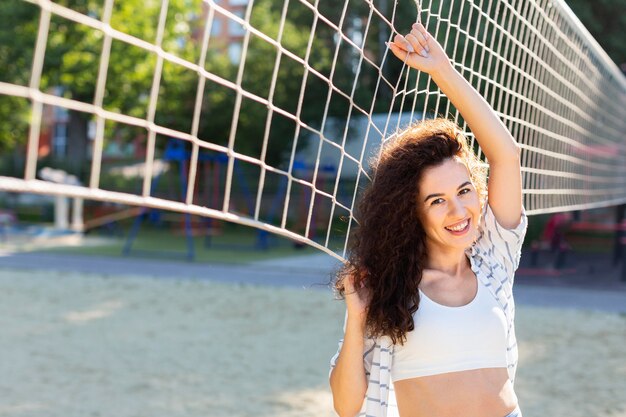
(73, 54)
(15, 115)
(605, 20)
(72, 60)
(18, 31)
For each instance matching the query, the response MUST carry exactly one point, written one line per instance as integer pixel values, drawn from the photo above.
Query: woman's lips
(460, 228)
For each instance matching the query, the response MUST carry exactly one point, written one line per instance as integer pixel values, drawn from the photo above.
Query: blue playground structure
(212, 167)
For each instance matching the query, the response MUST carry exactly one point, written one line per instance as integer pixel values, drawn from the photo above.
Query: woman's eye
(436, 201)
(464, 191)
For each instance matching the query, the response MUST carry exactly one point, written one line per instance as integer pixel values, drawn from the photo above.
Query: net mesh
(290, 99)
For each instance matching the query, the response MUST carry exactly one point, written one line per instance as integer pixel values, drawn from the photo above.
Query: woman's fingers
(421, 29)
(403, 46)
(402, 43)
(400, 53)
(421, 37)
(348, 284)
(419, 50)
(416, 45)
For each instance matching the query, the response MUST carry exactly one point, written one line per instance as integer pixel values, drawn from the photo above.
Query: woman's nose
(456, 208)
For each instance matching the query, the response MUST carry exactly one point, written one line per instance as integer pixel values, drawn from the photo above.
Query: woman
(430, 331)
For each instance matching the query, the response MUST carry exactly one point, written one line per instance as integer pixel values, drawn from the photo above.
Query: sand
(95, 345)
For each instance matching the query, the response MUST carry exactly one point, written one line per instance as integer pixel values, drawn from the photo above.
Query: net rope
(556, 90)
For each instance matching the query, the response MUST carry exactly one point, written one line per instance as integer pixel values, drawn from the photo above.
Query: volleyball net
(288, 100)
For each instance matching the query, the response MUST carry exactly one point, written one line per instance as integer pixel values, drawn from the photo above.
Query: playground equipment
(211, 168)
(111, 218)
(212, 171)
(326, 174)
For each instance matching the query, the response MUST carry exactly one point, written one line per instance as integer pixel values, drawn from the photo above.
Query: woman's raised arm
(422, 52)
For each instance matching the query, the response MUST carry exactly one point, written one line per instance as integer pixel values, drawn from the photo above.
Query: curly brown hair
(387, 250)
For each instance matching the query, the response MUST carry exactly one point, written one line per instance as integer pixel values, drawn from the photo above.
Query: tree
(18, 30)
(73, 55)
(605, 20)
(72, 60)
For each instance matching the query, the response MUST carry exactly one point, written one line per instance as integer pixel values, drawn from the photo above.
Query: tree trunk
(77, 143)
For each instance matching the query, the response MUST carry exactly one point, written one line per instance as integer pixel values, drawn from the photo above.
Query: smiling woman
(455, 210)
(429, 328)
(433, 263)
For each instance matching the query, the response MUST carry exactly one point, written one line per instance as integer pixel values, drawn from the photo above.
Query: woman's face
(448, 205)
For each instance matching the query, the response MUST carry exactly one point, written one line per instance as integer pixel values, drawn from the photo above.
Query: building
(225, 32)
(358, 129)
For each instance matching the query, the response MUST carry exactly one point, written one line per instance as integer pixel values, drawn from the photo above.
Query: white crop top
(450, 339)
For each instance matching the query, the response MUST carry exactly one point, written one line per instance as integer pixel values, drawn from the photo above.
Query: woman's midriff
(474, 393)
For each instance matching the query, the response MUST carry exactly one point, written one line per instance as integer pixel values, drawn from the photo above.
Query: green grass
(236, 245)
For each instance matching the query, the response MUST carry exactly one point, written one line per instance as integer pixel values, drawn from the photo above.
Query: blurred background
(111, 309)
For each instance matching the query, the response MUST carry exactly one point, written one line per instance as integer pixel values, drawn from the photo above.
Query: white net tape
(556, 90)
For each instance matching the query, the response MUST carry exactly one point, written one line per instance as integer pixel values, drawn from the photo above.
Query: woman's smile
(459, 228)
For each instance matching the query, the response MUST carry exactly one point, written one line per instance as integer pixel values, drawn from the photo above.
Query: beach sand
(76, 345)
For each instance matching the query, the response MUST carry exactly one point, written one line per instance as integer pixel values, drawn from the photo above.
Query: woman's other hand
(356, 300)
(420, 50)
